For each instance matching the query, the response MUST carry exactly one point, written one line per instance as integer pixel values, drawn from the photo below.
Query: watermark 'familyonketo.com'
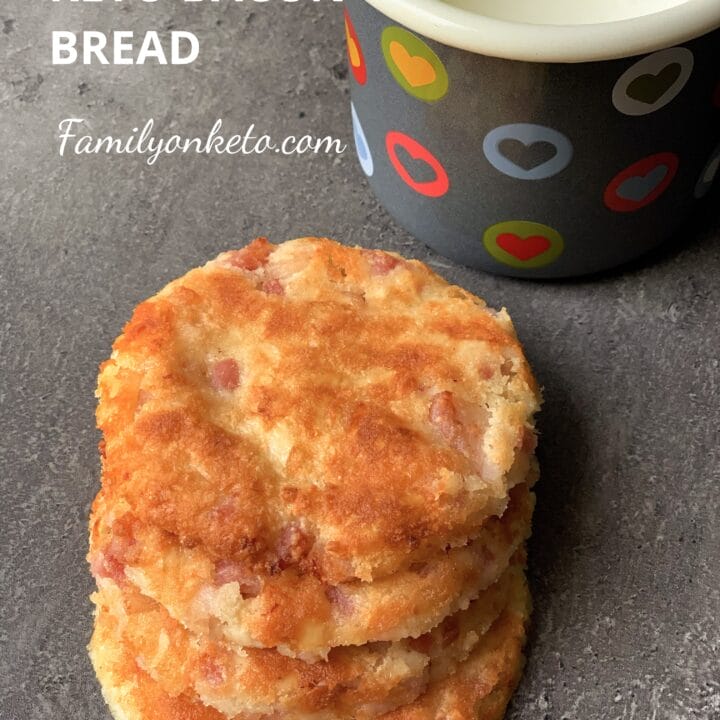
(74, 139)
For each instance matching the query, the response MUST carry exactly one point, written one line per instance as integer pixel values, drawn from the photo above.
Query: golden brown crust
(364, 682)
(298, 613)
(280, 406)
(479, 690)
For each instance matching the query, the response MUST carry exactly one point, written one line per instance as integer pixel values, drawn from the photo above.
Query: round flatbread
(313, 406)
(479, 689)
(362, 681)
(298, 613)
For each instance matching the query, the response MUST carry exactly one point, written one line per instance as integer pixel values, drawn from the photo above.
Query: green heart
(650, 88)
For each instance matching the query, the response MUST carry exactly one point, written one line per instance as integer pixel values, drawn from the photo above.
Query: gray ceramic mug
(534, 149)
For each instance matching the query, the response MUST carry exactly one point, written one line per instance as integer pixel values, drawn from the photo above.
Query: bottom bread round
(479, 689)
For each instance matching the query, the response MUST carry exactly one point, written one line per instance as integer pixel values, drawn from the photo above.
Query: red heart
(523, 248)
(436, 187)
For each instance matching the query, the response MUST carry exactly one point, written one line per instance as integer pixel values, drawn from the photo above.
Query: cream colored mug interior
(561, 12)
(556, 30)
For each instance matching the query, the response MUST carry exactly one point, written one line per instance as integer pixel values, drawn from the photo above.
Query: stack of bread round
(317, 465)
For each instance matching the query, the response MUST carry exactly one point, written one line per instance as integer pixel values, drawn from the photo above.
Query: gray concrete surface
(624, 560)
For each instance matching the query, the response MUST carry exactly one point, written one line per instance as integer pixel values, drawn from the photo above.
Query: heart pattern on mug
(361, 144)
(417, 166)
(523, 248)
(522, 151)
(527, 152)
(416, 69)
(711, 171)
(523, 244)
(709, 174)
(527, 156)
(649, 88)
(356, 59)
(654, 81)
(425, 174)
(414, 64)
(641, 183)
(353, 52)
(638, 187)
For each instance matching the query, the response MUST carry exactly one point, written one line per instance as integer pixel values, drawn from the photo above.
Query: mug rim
(532, 42)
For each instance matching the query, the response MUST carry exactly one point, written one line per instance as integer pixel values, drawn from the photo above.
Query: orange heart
(416, 69)
(353, 52)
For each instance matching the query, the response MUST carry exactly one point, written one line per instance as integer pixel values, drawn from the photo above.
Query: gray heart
(639, 187)
(417, 168)
(527, 157)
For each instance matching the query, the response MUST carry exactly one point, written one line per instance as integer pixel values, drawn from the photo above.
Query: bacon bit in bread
(450, 630)
(381, 263)
(228, 571)
(212, 671)
(252, 256)
(488, 556)
(527, 441)
(289, 494)
(106, 566)
(486, 372)
(339, 599)
(225, 374)
(422, 644)
(462, 425)
(273, 287)
(143, 397)
(111, 560)
(294, 545)
(420, 568)
(444, 416)
(224, 510)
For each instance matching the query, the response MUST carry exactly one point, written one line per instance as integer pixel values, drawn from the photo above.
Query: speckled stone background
(625, 560)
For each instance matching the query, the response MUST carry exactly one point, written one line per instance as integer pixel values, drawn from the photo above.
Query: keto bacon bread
(314, 457)
(480, 687)
(298, 613)
(361, 681)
